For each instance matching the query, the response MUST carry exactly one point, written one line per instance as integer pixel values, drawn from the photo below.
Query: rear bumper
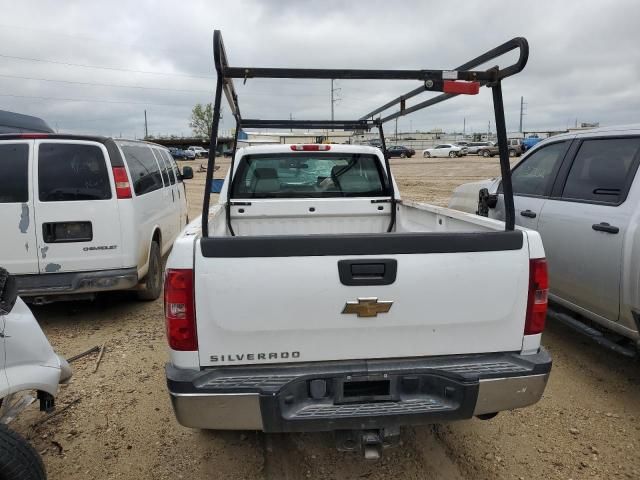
(325, 396)
(76, 282)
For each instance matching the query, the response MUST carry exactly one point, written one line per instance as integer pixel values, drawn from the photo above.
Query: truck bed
(341, 216)
(273, 295)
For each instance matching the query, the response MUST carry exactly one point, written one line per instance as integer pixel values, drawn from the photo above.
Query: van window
(168, 160)
(601, 168)
(14, 173)
(144, 170)
(163, 166)
(72, 172)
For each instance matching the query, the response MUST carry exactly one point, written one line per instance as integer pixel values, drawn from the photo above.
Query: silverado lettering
(253, 356)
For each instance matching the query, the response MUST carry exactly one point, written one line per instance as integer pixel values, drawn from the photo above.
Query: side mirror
(8, 292)
(486, 201)
(187, 173)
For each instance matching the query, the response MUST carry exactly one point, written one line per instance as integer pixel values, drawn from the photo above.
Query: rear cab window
(143, 168)
(304, 175)
(14, 172)
(603, 170)
(72, 172)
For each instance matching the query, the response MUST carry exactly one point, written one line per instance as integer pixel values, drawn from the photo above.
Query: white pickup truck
(314, 317)
(311, 298)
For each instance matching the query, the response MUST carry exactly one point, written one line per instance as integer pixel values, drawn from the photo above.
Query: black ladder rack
(461, 80)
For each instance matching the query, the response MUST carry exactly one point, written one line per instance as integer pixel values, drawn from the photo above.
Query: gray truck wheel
(153, 281)
(18, 459)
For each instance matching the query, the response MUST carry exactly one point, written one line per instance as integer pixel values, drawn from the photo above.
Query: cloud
(583, 64)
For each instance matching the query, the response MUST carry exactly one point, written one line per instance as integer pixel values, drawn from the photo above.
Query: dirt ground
(121, 424)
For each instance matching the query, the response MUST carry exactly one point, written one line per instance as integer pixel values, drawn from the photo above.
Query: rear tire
(18, 459)
(486, 154)
(403, 155)
(512, 153)
(152, 286)
(452, 154)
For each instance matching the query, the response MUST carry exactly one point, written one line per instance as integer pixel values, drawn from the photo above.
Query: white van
(83, 214)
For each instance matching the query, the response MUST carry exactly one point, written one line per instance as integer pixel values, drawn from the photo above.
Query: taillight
(179, 310)
(537, 302)
(34, 135)
(123, 187)
(311, 148)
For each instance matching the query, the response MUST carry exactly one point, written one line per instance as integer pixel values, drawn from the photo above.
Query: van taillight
(179, 310)
(123, 187)
(537, 301)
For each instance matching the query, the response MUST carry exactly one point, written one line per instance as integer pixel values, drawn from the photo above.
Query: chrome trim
(218, 411)
(497, 394)
(76, 282)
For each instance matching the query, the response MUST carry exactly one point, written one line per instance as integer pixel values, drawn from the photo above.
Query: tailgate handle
(368, 272)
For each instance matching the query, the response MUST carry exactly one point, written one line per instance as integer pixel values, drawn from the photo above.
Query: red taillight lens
(461, 88)
(34, 135)
(537, 302)
(123, 187)
(310, 148)
(179, 310)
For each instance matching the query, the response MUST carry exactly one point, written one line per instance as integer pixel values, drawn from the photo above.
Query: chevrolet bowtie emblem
(367, 307)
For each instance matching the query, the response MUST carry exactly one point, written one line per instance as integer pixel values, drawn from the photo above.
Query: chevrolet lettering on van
(100, 247)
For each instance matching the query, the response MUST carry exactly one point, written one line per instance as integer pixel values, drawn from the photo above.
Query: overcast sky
(157, 56)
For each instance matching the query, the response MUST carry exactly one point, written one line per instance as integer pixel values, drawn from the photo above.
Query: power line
(119, 69)
(89, 100)
(105, 84)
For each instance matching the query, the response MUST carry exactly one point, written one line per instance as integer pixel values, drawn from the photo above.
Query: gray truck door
(532, 180)
(583, 230)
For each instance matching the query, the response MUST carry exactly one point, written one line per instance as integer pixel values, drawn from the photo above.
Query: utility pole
(522, 114)
(396, 129)
(488, 131)
(291, 118)
(333, 99)
(146, 131)
(464, 127)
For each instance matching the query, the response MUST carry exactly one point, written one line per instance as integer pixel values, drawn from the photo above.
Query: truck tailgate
(453, 293)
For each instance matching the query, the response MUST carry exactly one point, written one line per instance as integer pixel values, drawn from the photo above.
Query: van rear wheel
(152, 286)
(18, 459)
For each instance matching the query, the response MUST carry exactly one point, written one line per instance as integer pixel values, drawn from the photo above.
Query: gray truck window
(301, 175)
(534, 174)
(145, 173)
(601, 168)
(14, 173)
(72, 172)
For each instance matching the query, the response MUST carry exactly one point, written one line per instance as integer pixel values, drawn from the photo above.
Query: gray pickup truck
(581, 191)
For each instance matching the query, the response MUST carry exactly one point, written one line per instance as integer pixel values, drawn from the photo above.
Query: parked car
(12, 122)
(473, 147)
(515, 147)
(444, 150)
(400, 151)
(199, 151)
(27, 364)
(529, 142)
(177, 153)
(189, 154)
(92, 214)
(488, 150)
(581, 191)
